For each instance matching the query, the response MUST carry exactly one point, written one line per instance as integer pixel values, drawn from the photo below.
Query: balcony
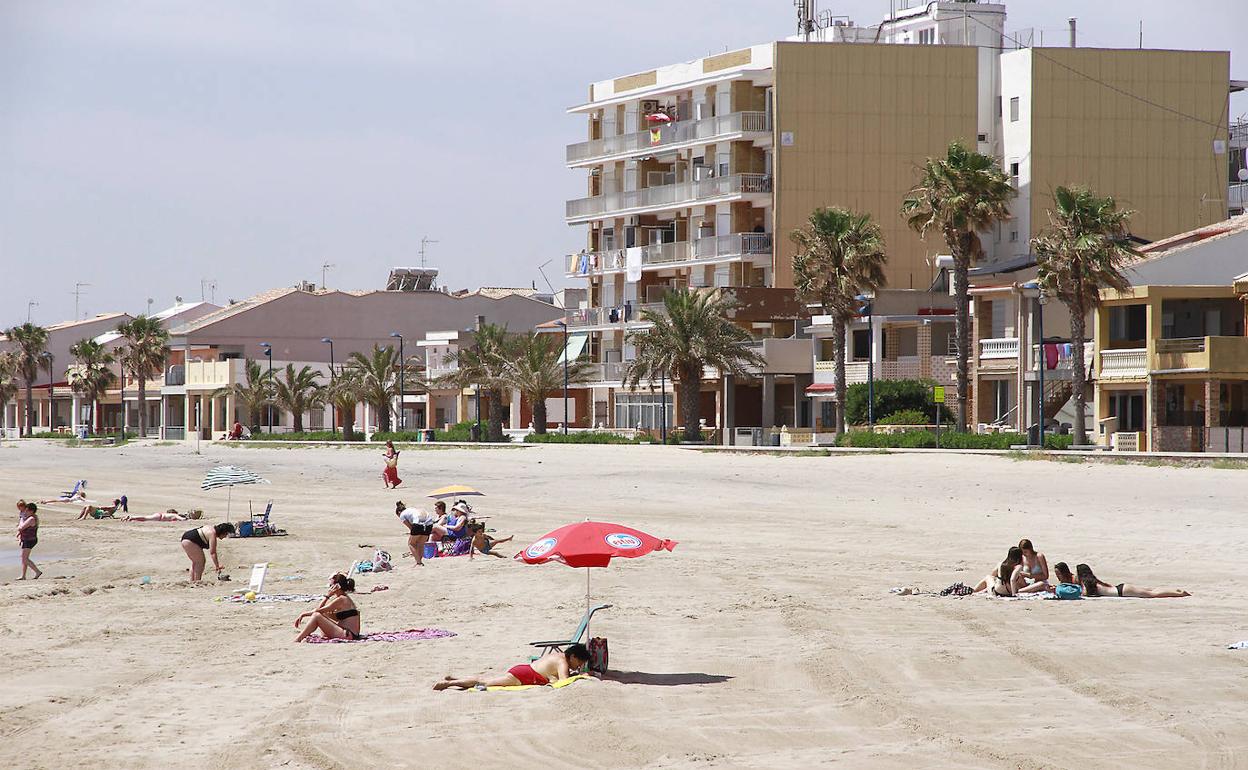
(682, 133)
(628, 314)
(669, 196)
(1061, 370)
(1237, 196)
(1124, 364)
(998, 348)
(723, 248)
(1201, 354)
(206, 375)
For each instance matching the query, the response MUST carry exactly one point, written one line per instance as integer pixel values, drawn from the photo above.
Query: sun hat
(461, 506)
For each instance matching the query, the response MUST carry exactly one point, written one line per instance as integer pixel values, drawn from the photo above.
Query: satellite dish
(1242, 174)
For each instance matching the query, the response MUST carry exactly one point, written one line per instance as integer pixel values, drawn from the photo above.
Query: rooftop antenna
(325, 266)
(211, 286)
(805, 17)
(149, 305)
(29, 305)
(77, 294)
(543, 272)
(424, 242)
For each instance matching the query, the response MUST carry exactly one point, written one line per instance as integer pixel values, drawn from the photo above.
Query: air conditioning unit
(649, 106)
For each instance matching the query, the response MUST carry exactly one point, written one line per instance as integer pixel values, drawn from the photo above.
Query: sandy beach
(768, 638)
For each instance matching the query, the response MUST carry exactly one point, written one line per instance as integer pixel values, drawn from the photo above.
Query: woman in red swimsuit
(390, 474)
(551, 667)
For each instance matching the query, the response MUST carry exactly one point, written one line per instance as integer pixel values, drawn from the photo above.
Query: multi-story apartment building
(698, 172)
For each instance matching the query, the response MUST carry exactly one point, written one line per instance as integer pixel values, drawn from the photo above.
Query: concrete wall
(863, 117)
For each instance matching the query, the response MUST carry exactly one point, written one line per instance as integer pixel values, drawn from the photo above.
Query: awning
(576, 346)
(824, 389)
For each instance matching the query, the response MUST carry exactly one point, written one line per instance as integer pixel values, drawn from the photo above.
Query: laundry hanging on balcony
(632, 263)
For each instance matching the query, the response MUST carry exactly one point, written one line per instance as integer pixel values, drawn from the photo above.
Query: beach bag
(598, 657)
(1068, 591)
(381, 560)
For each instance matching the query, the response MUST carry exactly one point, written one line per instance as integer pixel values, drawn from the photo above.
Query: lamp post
(46, 358)
(866, 309)
(402, 365)
(1040, 362)
(268, 352)
(663, 406)
(333, 417)
(564, 326)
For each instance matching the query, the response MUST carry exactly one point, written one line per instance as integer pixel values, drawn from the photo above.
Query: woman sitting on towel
(1006, 579)
(453, 526)
(337, 616)
(1092, 586)
(1035, 565)
(100, 511)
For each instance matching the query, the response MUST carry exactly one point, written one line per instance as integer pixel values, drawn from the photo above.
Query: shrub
(580, 437)
(891, 396)
(1057, 441)
(70, 436)
(905, 417)
(315, 435)
(926, 439)
(460, 431)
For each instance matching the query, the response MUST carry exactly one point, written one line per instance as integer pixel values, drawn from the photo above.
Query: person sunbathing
(101, 511)
(1092, 586)
(337, 617)
(168, 515)
(78, 495)
(1006, 579)
(1035, 565)
(483, 542)
(551, 667)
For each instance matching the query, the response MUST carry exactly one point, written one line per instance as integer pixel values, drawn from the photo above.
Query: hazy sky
(148, 144)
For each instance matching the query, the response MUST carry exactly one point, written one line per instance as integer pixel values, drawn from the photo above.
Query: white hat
(461, 506)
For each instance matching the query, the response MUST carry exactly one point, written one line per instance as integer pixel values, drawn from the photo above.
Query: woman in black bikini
(28, 535)
(337, 616)
(1092, 586)
(196, 541)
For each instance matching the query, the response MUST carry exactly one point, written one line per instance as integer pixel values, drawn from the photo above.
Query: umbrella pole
(587, 569)
(229, 497)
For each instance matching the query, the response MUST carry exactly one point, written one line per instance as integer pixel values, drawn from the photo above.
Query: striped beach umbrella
(230, 476)
(454, 490)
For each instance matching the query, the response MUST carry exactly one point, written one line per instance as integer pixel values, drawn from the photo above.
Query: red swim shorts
(525, 673)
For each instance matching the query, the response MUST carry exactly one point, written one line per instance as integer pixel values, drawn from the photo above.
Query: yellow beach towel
(560, 683)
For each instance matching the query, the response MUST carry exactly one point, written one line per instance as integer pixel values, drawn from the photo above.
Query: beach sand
(767, 639)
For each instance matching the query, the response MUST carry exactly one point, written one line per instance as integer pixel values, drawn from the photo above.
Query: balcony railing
(662, 254)
(607, 371)
(998, 347)
(1065, 357)
(669, 195)
(1237, 195)
(680, 132)
(628, 313)
(1124, 364)
(1201, 354)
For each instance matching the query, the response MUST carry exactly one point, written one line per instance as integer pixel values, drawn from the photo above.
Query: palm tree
(344, 394)
(840, 256)
(485, 365)
(298, 392)
(29, 356)
(8, 378)
(690, 334)
(959, 196)
(379, 378)
(144, 356)
(1082, 252)
(253, 394)
(535, 368)
(92, 376)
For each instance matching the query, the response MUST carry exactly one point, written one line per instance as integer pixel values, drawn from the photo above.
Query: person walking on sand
(390, 474)
(419, 527)
(336, 617)
(28, 535)
(551, 667)
(196, 541)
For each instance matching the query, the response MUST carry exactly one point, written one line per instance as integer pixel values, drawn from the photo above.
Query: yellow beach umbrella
(454, 490)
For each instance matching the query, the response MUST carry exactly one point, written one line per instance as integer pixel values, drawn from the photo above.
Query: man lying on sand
(551, 667)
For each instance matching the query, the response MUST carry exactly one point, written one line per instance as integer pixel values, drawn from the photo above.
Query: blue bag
(1068, 591)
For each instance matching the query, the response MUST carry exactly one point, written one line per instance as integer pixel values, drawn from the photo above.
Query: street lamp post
(1040, 363)
(564, 325)
(333, 417)
(268, 352)
(866, 308)
(402, 366)
(663, 406)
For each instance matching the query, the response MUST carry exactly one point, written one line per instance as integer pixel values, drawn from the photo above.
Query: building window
(861, 347)
(642, 410)
(927, 37)
(1014, 175)
(1013, 236)
(1014, 109)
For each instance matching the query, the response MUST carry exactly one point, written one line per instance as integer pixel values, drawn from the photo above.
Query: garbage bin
(82, 432)
(429, 434)
(474, 432)
(1035, 436)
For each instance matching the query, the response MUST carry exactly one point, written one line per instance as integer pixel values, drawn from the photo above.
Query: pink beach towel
(388, 636)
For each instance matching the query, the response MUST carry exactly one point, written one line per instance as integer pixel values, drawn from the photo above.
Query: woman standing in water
(390, 474)
(28, 535)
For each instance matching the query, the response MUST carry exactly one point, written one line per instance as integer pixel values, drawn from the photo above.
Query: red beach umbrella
(592, 544)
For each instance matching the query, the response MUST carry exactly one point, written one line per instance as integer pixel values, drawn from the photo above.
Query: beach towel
(1238, 646)
(268, 598)
(560, 683)
(957, 589)
(409, 635)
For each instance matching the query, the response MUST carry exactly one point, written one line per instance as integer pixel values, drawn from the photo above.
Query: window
(861, 345)
(927, 37)
(1014, 175)
(642, 410)
(1013, 236)
(1014, 109)
(998, 106)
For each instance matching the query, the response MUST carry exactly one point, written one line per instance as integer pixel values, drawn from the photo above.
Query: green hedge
(581, 437)
(891, 396)
(314, 435)
(926, 439)
(461, 431)
(115, 434)
(905, 417)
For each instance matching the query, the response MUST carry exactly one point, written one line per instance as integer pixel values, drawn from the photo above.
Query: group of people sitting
(440, 526)
(1026, 571)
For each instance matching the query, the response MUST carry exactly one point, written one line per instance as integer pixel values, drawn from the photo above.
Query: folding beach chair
(557, 645)
(256, 584)
(260, 521)
(69, 496)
